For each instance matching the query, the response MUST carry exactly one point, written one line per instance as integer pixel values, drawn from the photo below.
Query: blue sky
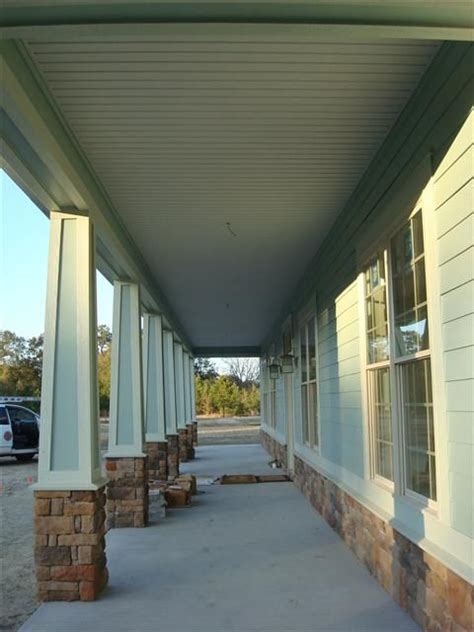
(24, 236)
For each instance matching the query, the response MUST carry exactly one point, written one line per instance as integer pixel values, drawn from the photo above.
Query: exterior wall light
(287, 363)
(274, 371)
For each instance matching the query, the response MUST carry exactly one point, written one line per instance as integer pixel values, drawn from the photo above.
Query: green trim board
(436, 20)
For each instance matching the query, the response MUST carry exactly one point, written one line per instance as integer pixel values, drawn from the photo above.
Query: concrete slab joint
(127, 492)
(70, 544)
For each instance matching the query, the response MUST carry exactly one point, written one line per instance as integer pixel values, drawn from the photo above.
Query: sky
(24, 237)
(24, 263)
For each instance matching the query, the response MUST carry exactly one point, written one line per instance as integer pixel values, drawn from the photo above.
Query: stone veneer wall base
(275, 449)
(127, 492)
(70, 545)
(195, 433)
(157, 453)
(438, 599)
(173, 455)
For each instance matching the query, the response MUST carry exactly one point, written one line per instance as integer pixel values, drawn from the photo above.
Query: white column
(169, 383)
(69, 454)
(126, 430)
(187, 388)
(153, 388)
(179, 382)
(193, 392)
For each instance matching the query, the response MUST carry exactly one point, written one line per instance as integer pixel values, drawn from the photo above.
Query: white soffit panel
(228, 160)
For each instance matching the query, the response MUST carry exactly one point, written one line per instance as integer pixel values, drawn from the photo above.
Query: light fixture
(274, 371)
(287, 363)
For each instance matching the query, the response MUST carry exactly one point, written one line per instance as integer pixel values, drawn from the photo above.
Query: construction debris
(245, 479)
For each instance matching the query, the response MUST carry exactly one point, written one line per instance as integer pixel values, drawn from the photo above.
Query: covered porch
(243, 557)
(286, 180)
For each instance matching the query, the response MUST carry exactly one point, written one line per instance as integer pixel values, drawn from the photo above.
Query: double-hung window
(309, 392)
(269, 399)
(378, 367)
(398, 361)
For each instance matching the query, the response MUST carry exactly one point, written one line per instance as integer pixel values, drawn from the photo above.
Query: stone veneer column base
(190, 441)
(157, 453)
(70, 545)
(438, 599)
(183, 444)
(173, 455)
(195, 433)
(127, 492)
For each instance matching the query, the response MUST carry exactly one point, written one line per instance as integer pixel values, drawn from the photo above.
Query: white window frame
(311, 443)
(399, 485)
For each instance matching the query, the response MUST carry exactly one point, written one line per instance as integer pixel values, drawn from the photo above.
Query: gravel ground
(17, 582)
(17, 588)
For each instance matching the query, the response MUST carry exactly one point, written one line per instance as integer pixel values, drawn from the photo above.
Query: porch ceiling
(226, 159)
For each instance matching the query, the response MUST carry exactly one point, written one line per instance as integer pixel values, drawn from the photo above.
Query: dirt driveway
(17, 581)
(17, 589)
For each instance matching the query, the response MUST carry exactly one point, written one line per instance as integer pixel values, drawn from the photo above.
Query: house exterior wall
(428, 160)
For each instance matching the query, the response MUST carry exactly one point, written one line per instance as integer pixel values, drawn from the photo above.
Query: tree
(21, 362)
(104, 353)
(205, 369)
(244, 371)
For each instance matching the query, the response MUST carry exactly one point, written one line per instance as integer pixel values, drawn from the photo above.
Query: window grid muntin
(309, 390)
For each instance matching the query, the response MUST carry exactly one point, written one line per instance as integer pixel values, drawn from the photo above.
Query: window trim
(303, 324)
(399, 486)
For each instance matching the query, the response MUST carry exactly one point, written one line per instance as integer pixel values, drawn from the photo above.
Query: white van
(19, 432)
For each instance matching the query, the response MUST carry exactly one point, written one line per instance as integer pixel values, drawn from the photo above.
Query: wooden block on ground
(188, 479)
(238, 479)
(273, 478)
(177, 496)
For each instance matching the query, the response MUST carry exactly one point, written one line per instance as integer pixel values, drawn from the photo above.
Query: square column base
(70, 545)
(195, 433)
(173, 455)
(190, 441)
(183, 444)
(127, 492)
(157, 453)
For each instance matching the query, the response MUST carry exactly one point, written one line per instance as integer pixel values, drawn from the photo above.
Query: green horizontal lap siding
(340, 402)
(454, 195)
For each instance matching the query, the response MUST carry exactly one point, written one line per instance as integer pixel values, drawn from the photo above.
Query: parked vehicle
(19, 432)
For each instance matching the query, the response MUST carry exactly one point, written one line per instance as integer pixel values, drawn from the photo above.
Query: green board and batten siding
(430, 147)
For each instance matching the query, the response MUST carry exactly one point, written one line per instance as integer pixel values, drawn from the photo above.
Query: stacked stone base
(183, 444)
(157, 453)
(173, 455)
(70, 545)
(435, 597)
(190, 441)
(275, 449)
(195, 433)
(127, 492)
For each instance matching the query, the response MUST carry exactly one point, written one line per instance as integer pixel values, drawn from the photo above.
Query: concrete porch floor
(244, 557)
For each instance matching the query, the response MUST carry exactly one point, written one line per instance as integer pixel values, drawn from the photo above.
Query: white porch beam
(69, 457)
(179, 384)
(126, 432)
(169, 383)
(153, 388)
